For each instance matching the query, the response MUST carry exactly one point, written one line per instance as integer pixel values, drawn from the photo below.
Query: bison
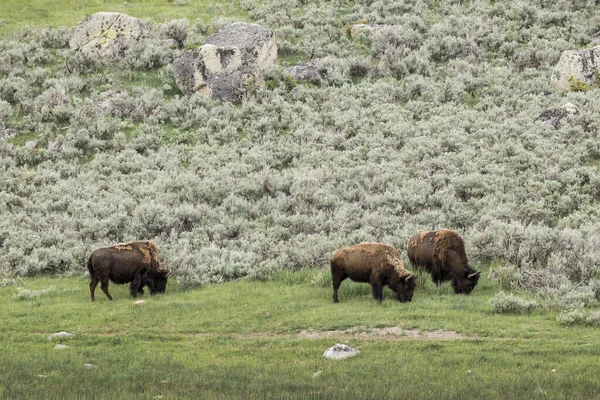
(442, 253)
(135, 262)
(377, 263)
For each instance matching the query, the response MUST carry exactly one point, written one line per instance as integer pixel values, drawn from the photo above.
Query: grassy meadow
(16, 15)
(429, 125)
(249, 340)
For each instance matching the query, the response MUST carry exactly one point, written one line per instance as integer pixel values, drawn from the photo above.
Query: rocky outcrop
(7, 133)
(230, 59)
(553, 116)
(108, 34)
(304, 72)
(576, 66)
(255, 42)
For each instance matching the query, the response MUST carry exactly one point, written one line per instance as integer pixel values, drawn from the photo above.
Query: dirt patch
(391, 333)
(361, 332)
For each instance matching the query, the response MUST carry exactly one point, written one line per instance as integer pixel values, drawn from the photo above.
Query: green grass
(240, 340)
(16, 15)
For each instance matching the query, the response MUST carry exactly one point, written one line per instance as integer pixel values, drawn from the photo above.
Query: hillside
(429, 126)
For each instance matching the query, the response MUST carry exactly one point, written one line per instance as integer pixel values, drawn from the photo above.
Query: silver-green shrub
(427, 126)
(506, 303)
(571, 317)
(29, 294)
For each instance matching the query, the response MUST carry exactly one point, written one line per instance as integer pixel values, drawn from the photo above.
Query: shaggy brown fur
(135, 262)
(442, 253)
(377, 263)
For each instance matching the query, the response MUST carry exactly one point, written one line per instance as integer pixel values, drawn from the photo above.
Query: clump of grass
(577, 86)
(426, 285)
(28, 294)
(8, 282)
(320, 277)
(578, 317)
(506, 303)
(572, 317)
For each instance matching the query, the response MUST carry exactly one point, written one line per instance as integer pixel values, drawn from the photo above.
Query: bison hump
(148, 250)
(444, 241)
(394, 260)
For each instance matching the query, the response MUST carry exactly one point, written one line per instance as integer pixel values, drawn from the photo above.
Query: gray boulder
(108, 34)
(297, 93)
(7, 133)
(255, 42)
(581, 65)
(553, 116)
(304, 72)
(230, 59)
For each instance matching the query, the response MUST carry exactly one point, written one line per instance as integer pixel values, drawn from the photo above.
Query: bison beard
(376, 263)
(442, 254)
(135, 262)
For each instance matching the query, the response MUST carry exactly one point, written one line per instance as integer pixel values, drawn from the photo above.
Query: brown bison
(442, 253)
(135, 262)
(377, 263)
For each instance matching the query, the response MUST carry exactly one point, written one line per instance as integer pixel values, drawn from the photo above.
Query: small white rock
(139, 302)
(61, 335)
(340, 351)
(60, 346)
(317, 374)
(88, 365)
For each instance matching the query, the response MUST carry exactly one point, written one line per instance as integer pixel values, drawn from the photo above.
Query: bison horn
(168, 273)
(408, 278)
(473, 275)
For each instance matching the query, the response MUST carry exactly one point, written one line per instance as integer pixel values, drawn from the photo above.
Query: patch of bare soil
(391, 333)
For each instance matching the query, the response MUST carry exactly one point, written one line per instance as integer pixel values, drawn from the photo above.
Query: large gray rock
(582, 65)
(108, 34)
(255, 42)
(230, 59)
(7, 133)
(304, 72)
(553, 116)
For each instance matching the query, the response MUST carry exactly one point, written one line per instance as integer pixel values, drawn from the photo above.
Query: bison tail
(90, 267)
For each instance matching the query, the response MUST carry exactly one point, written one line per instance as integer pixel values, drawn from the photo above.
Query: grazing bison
(135, 262)
(377, 263)
(442, 253)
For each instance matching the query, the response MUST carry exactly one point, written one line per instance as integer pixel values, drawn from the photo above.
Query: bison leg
(436, 272)
(93, 284)
(336, 285)
(336, 280)
(104, 287)
(377, 288)
(135, 285)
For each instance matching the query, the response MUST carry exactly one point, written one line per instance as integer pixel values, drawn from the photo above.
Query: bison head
(405, 288)
(157, 282)
(467, 282)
